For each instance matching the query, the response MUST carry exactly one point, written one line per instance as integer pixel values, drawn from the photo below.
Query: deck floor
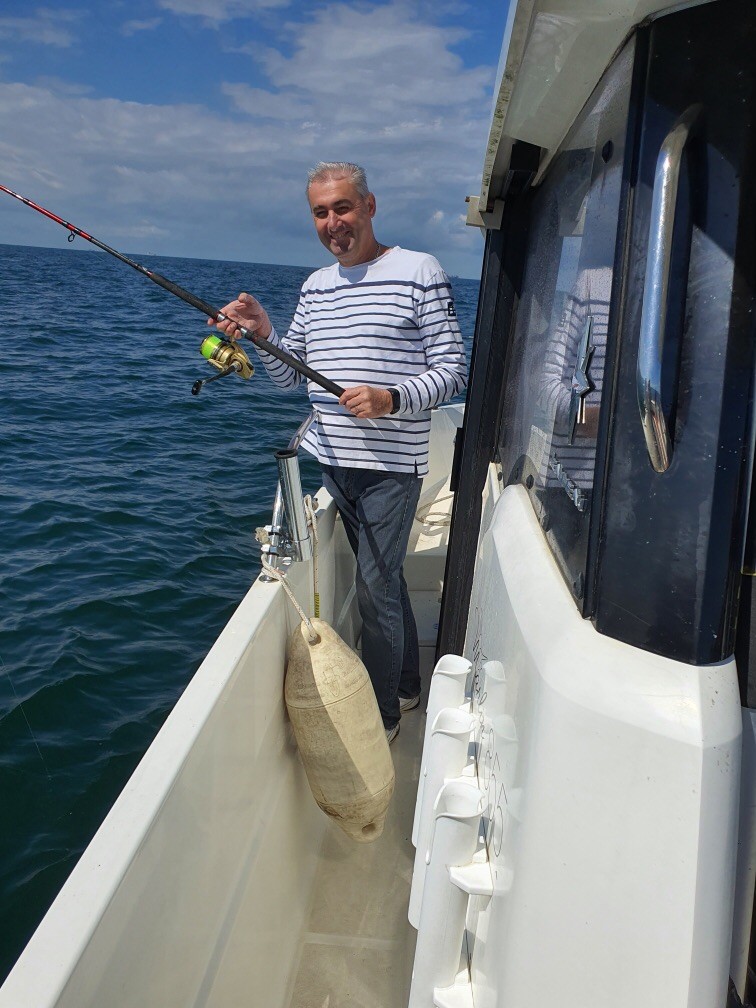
(359, 946)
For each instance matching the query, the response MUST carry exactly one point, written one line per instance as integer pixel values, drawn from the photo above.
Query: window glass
(556, 375)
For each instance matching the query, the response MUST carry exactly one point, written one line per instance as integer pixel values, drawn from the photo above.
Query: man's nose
(334, 221)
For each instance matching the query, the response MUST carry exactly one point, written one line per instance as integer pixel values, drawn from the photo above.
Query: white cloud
(43, 27)
(380, 85)
(219, 10)
(129, 28)
(370, 84)
(374, 60)
(62, 87)
(257, 102)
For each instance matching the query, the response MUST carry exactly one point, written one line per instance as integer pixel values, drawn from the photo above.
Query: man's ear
(371, 204)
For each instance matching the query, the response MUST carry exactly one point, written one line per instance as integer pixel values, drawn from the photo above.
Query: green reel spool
(226, 356)
(209, 346)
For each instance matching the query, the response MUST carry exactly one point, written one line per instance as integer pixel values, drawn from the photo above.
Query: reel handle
(232, 368)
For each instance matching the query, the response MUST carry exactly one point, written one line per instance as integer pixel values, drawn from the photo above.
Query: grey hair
(326, 171)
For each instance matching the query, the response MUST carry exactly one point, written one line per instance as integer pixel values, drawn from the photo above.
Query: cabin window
(555, 379)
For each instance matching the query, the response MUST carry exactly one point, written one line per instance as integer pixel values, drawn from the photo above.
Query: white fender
(339, 731)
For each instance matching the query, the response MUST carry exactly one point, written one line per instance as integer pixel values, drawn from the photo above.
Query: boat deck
(359, 947)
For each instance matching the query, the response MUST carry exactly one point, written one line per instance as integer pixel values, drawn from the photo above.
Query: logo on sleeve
(451, 311)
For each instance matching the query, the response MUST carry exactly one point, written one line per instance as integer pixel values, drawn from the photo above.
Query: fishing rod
(231, 362)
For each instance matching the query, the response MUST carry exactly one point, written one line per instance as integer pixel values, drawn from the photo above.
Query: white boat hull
(612, 781)
(200, 887)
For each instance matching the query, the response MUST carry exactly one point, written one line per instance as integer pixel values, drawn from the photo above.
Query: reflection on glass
(550, 423)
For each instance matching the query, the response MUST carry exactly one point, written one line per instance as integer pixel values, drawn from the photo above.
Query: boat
(574, 821)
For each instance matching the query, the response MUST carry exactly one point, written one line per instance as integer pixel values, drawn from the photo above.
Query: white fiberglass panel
(197, 889)
(612, 780)
(198, 883)
(554, 54)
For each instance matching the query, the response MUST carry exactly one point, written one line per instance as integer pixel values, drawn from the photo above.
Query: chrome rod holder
(299, 542)
(288, 535)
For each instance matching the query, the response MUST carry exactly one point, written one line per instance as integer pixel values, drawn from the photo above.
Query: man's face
(344, 220)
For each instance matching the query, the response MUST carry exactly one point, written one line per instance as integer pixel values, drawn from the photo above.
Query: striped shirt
(389, 323)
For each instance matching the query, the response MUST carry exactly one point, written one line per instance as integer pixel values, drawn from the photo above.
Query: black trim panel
(671, 542)
(477, 439)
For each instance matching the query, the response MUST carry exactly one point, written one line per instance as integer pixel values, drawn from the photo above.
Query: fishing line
(20, 706)
(187, 296)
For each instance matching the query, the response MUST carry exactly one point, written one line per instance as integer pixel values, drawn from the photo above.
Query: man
(381, 323)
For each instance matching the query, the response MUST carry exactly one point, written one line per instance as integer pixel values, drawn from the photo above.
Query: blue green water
(127, 510)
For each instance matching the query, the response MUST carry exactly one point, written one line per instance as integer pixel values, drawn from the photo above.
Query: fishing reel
(227, 357)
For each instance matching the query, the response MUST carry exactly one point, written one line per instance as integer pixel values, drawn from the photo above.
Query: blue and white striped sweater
(389, 323)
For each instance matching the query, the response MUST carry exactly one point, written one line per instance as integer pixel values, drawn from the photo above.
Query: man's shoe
(408, 703)
(391, 733)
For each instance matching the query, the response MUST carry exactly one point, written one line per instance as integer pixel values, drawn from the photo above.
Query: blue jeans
(378, 509)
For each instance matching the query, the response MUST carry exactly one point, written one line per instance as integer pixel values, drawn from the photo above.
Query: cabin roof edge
(553, 55)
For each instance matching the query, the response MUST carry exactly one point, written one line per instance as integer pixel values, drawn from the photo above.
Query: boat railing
(288, 536)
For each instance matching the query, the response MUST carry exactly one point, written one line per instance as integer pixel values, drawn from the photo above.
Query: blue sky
(186, 127)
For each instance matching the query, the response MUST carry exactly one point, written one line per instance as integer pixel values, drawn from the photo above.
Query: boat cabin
(574, 821)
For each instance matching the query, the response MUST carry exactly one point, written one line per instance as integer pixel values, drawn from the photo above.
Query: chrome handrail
(656, 290)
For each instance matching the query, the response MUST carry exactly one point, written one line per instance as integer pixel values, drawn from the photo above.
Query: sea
(128, 515)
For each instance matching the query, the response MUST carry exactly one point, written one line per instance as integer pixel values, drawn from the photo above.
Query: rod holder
(456, 827)
(447, 689)
(493, 682)
(446, 758)
(279, 545)
(293, 504)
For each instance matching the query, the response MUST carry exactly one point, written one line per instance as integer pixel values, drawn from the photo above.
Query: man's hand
(367, 402)
(247, 312)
